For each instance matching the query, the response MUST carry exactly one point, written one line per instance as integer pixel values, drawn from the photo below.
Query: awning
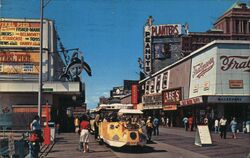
(191, 101)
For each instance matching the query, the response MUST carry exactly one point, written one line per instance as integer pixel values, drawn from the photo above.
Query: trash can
(248, 126)
(52, 130)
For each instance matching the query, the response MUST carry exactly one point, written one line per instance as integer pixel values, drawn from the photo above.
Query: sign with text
(147, 50)
(171, 96)
(166, 30)
(202, 136)
(20, 62)
(169, 107)
(19, 57)
(19, 34)
(134, 95)
(236, 84)
(228, 99)
(191, 101)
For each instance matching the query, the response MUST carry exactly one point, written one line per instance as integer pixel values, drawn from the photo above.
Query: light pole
(40, 62)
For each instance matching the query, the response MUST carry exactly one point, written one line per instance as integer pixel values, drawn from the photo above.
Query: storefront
(214, 82)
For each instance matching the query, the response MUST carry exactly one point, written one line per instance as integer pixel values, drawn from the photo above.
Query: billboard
(221, 70)
(234, 67)
(19, 34)
(19, 62)
(203, 74)
(160, 41)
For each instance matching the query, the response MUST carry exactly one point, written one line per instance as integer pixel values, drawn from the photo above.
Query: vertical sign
(147, 50)
(134, 95)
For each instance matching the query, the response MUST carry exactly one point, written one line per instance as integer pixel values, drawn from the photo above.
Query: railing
(12, 142)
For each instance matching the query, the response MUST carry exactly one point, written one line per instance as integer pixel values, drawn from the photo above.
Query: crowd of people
(220, 126)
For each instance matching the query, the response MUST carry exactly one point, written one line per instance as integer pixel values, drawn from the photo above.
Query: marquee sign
(171, 96)
(20, 62)
(19, 57)
(19, 34)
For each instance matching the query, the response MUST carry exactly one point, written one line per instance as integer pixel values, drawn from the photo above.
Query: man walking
(223, 127)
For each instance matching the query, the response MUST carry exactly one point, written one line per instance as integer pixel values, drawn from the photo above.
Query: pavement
(172, 143)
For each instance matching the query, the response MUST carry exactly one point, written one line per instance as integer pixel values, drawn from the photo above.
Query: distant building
(234, 24)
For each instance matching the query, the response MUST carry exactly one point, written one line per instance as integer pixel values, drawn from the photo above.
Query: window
(28, 67)
(147, 88)
(152, 86)
(165, 81)
(158, 84)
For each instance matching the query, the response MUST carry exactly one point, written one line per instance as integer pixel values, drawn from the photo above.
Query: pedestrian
(223, 127)
(190, 122)
(96, 125)
(76, 123)
(205, 121)
(216, 125)
(156, 126)
(163, 123)
(233, 125)
(35, 137)
(185, 122)
(167, 122)
(84, 134)
(149, 128)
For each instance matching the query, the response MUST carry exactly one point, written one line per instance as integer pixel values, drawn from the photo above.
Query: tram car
(125, 131)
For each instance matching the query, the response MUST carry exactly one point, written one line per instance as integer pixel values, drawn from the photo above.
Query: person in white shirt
(216, 126)
(223, 127)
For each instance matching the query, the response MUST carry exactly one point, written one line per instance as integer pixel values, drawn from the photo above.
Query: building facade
(212, 81)
(19, 73)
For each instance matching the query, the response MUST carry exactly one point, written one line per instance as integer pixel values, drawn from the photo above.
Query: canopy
(130, 111)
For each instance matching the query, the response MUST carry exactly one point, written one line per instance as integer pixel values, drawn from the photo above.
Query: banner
(19, 34)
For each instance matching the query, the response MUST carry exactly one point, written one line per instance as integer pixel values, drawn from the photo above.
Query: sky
(110, 32)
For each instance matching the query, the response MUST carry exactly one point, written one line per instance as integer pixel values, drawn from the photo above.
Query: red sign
(191, 101)
(134, 95)
(236, 83)
(172, 96)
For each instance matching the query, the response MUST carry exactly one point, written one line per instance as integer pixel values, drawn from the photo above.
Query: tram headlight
(133, 135)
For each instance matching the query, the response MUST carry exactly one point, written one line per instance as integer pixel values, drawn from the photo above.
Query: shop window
(28, 67)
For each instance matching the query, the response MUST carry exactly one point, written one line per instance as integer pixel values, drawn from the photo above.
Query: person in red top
(190, 122)
(84, 134)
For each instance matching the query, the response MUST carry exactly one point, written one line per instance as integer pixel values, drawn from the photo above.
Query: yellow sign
(19, 57)
(19, 34)
(19, 62)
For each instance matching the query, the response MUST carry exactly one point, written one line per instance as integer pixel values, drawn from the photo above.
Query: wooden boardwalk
(67, 144)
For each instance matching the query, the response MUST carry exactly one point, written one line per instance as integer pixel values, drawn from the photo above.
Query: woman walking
(84, 134)
(233, 125)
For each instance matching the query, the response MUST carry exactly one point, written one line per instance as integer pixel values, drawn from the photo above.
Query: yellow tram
(126, 131)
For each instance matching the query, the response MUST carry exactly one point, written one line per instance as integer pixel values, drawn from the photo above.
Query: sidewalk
(229, 147)
(66, 146)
